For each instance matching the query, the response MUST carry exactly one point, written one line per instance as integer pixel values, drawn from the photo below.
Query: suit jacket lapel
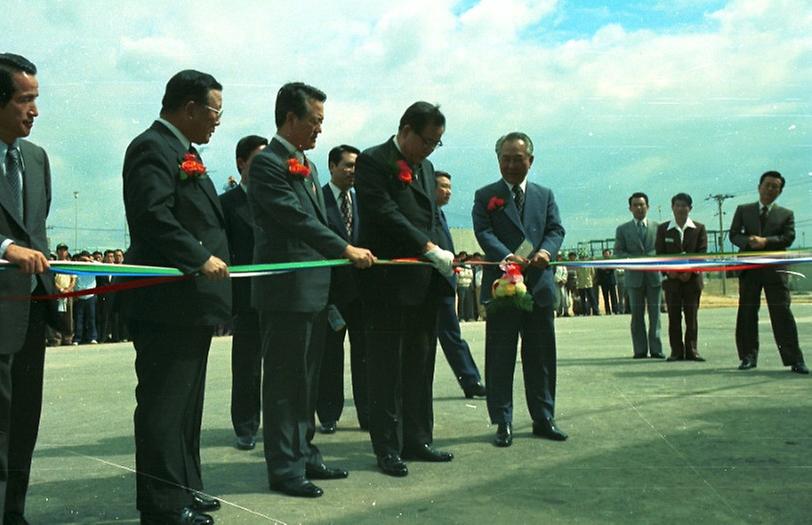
(32, 183)
(334, 214)
(11, 209)
(510, 206)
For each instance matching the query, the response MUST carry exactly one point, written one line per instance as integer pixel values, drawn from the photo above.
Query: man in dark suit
(291, 225)
(175, 220)
(399, 218)
(766, 226)
(25, 199)
(104, 302)
(343, 219)
(455, 348)
(525, 229)
(636, 239)
(682, 289)
(246, 346)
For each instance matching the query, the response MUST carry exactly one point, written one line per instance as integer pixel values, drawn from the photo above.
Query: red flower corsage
(191, 167)
(297, 168)
(495, 204)
(404, 172)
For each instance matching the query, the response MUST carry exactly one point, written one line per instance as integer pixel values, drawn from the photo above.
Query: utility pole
(75, 220)
(720, 198)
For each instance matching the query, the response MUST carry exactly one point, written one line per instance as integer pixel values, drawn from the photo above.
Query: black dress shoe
(639, 356)
(504, 435)
(245, 443)
(14, 518)
(747, 363)
(658, 356)
(695, 357)
(475, 390)
(298, 487)
(392, 465)
(547, 428)
(203, 503)
(800, 368)
(426, 452)
(185, 516)
(675, 357)
(328, 427)
(322, 471)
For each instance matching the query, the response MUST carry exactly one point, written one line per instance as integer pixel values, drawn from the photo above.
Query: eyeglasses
(217, 112)
(433, 144)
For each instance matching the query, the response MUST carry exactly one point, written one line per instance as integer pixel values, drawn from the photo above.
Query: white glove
(442, 260)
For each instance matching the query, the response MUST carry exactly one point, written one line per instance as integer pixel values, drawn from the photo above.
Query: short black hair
(773, 174)
(338, 152)
(637, 195)
(188, 85)
(109, 252)
(9, 65)
(294, 96)
(96, 252)
(248, 144)
(422, 114)
(438, 173)
(684, 197)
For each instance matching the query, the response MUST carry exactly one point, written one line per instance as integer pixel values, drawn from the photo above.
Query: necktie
(14, 177)
(763, 218)
(299, 154)
(346, 211)
(518, 198)
(641, 231)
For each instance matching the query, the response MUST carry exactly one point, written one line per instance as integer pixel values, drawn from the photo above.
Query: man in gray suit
(636, 239)
(765, 226)
(290, 218)
(25, 198)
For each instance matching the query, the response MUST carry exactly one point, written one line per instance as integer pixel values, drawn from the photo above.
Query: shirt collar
(186, 143)
(337, 191)
(688, 224)
(288, 146)
(244, 186)
(769, 206)
(644, 221)
(523, 185)
(4, 151)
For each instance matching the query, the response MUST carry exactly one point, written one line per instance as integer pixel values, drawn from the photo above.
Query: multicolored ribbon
(144, 276)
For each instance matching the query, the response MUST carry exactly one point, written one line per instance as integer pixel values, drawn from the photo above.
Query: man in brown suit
(682, 289)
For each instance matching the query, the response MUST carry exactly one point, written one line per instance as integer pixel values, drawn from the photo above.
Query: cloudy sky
(641, 95)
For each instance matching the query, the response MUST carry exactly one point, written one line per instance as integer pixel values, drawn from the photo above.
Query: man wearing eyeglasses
(399, 219)
(175, 220)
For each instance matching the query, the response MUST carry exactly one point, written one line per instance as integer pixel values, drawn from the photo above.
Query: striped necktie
(14, 176)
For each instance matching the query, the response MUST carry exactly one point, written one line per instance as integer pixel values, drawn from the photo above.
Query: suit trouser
(455, 348)
(330, 402)
(641, 299)
(292, 345)
(21, 377)
(783, 324)
(538, 352)
(401, 348)
(589, 302)
(682, 297)
(610, 305)
(170, 363)
(246, 374)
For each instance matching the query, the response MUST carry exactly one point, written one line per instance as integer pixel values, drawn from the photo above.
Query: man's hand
(442, 260)
(359, 257)
(540, 260)
(28, 260)
(757, 242)
(215, 269)
(518, 259)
